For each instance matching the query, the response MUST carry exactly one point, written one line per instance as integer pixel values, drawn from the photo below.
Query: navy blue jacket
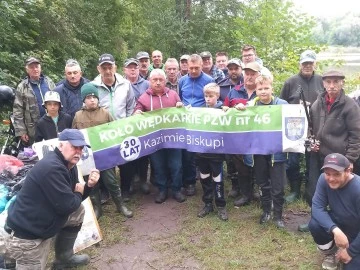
(70, 96)
(46, 128)
(46, 199)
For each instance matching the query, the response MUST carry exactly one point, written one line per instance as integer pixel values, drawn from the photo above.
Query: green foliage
(56, 30)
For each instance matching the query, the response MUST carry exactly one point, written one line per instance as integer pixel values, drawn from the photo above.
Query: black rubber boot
(235, 189)
(294, 191)
(96, 202)
(64, 253)
(120, 206)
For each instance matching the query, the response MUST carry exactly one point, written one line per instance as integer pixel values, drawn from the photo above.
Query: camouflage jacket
(26, 111)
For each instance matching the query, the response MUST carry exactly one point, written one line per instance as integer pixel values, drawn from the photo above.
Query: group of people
(44, 111)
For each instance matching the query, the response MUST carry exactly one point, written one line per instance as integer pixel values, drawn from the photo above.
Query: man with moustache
(29, 97)
(115, 95)
(49, 205)
(191, 93)
(144, 64)
(336, 125)
(70, 89)
(312, 86)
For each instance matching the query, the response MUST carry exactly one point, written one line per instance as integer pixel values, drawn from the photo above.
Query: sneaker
(222, 213)
(265, 217)
(190, 190)
(329, 262)
(208, 208)
(161, 197)
(179, 197)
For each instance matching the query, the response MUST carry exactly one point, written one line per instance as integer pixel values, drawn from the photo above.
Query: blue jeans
(322, 237)
(165, 162)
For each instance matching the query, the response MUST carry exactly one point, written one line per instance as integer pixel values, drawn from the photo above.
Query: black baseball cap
(106, 58)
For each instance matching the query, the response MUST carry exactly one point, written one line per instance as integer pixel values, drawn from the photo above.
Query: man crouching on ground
(49, 204)
(335, 214)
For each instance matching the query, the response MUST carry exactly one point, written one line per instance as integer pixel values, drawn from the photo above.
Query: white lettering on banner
(188, 139)
(115, 133)
(130, 148)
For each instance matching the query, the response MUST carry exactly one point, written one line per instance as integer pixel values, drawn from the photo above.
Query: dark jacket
(338, 130)
(312, 87)
(46, 199)
(226, 85)
(46, 128)
(70, 96)
(212, 156)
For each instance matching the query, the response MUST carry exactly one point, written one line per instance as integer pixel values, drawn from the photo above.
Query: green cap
(89, 89)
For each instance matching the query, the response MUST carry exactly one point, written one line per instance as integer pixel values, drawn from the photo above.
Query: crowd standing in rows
(44, 111)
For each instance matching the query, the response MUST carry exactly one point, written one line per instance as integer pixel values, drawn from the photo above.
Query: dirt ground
(152, 224)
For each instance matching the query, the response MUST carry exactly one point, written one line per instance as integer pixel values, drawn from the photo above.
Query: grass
(208, 243)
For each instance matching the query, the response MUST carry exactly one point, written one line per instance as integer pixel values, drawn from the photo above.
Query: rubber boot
(235, 188)
(120, 206)
(95, 198)
(330, 262)
(247, 190)
(278, 221)
(64, 253)
(295, 186)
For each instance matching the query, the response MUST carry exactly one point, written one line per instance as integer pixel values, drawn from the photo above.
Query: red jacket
(149, 101)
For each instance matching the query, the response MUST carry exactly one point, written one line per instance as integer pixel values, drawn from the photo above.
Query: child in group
(210, 165)
(54, 121)
(270, 170)
(92, 115)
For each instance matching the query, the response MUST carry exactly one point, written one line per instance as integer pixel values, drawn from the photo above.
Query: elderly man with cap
(335, 214)
(238, 96)
(312, 85)
(184, 64)
(29, 97)
(49, 205)
(336, 125)
(117, 96)
(70, 88)
(144, 64)
(210, 69)
(131, 70)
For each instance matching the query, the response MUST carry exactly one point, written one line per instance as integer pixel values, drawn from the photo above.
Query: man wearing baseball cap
(184, 64)
(49, 205)
(311, 85)
(29, 97)
(117, 96)
(335, 121)
(210, 69)
(144, 64)
(335, 214)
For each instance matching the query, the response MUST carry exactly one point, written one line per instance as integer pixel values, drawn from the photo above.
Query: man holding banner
(164, 161)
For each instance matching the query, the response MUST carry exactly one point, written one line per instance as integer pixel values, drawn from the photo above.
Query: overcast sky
(327, 8)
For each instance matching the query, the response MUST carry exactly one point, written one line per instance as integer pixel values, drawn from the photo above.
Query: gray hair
(194, 58)
(72, 63)
(172, 61)
(157, 71)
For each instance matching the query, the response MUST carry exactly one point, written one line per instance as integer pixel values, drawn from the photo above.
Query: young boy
(210, 166)
(54, 121)
(92, 115)
(270, 169)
